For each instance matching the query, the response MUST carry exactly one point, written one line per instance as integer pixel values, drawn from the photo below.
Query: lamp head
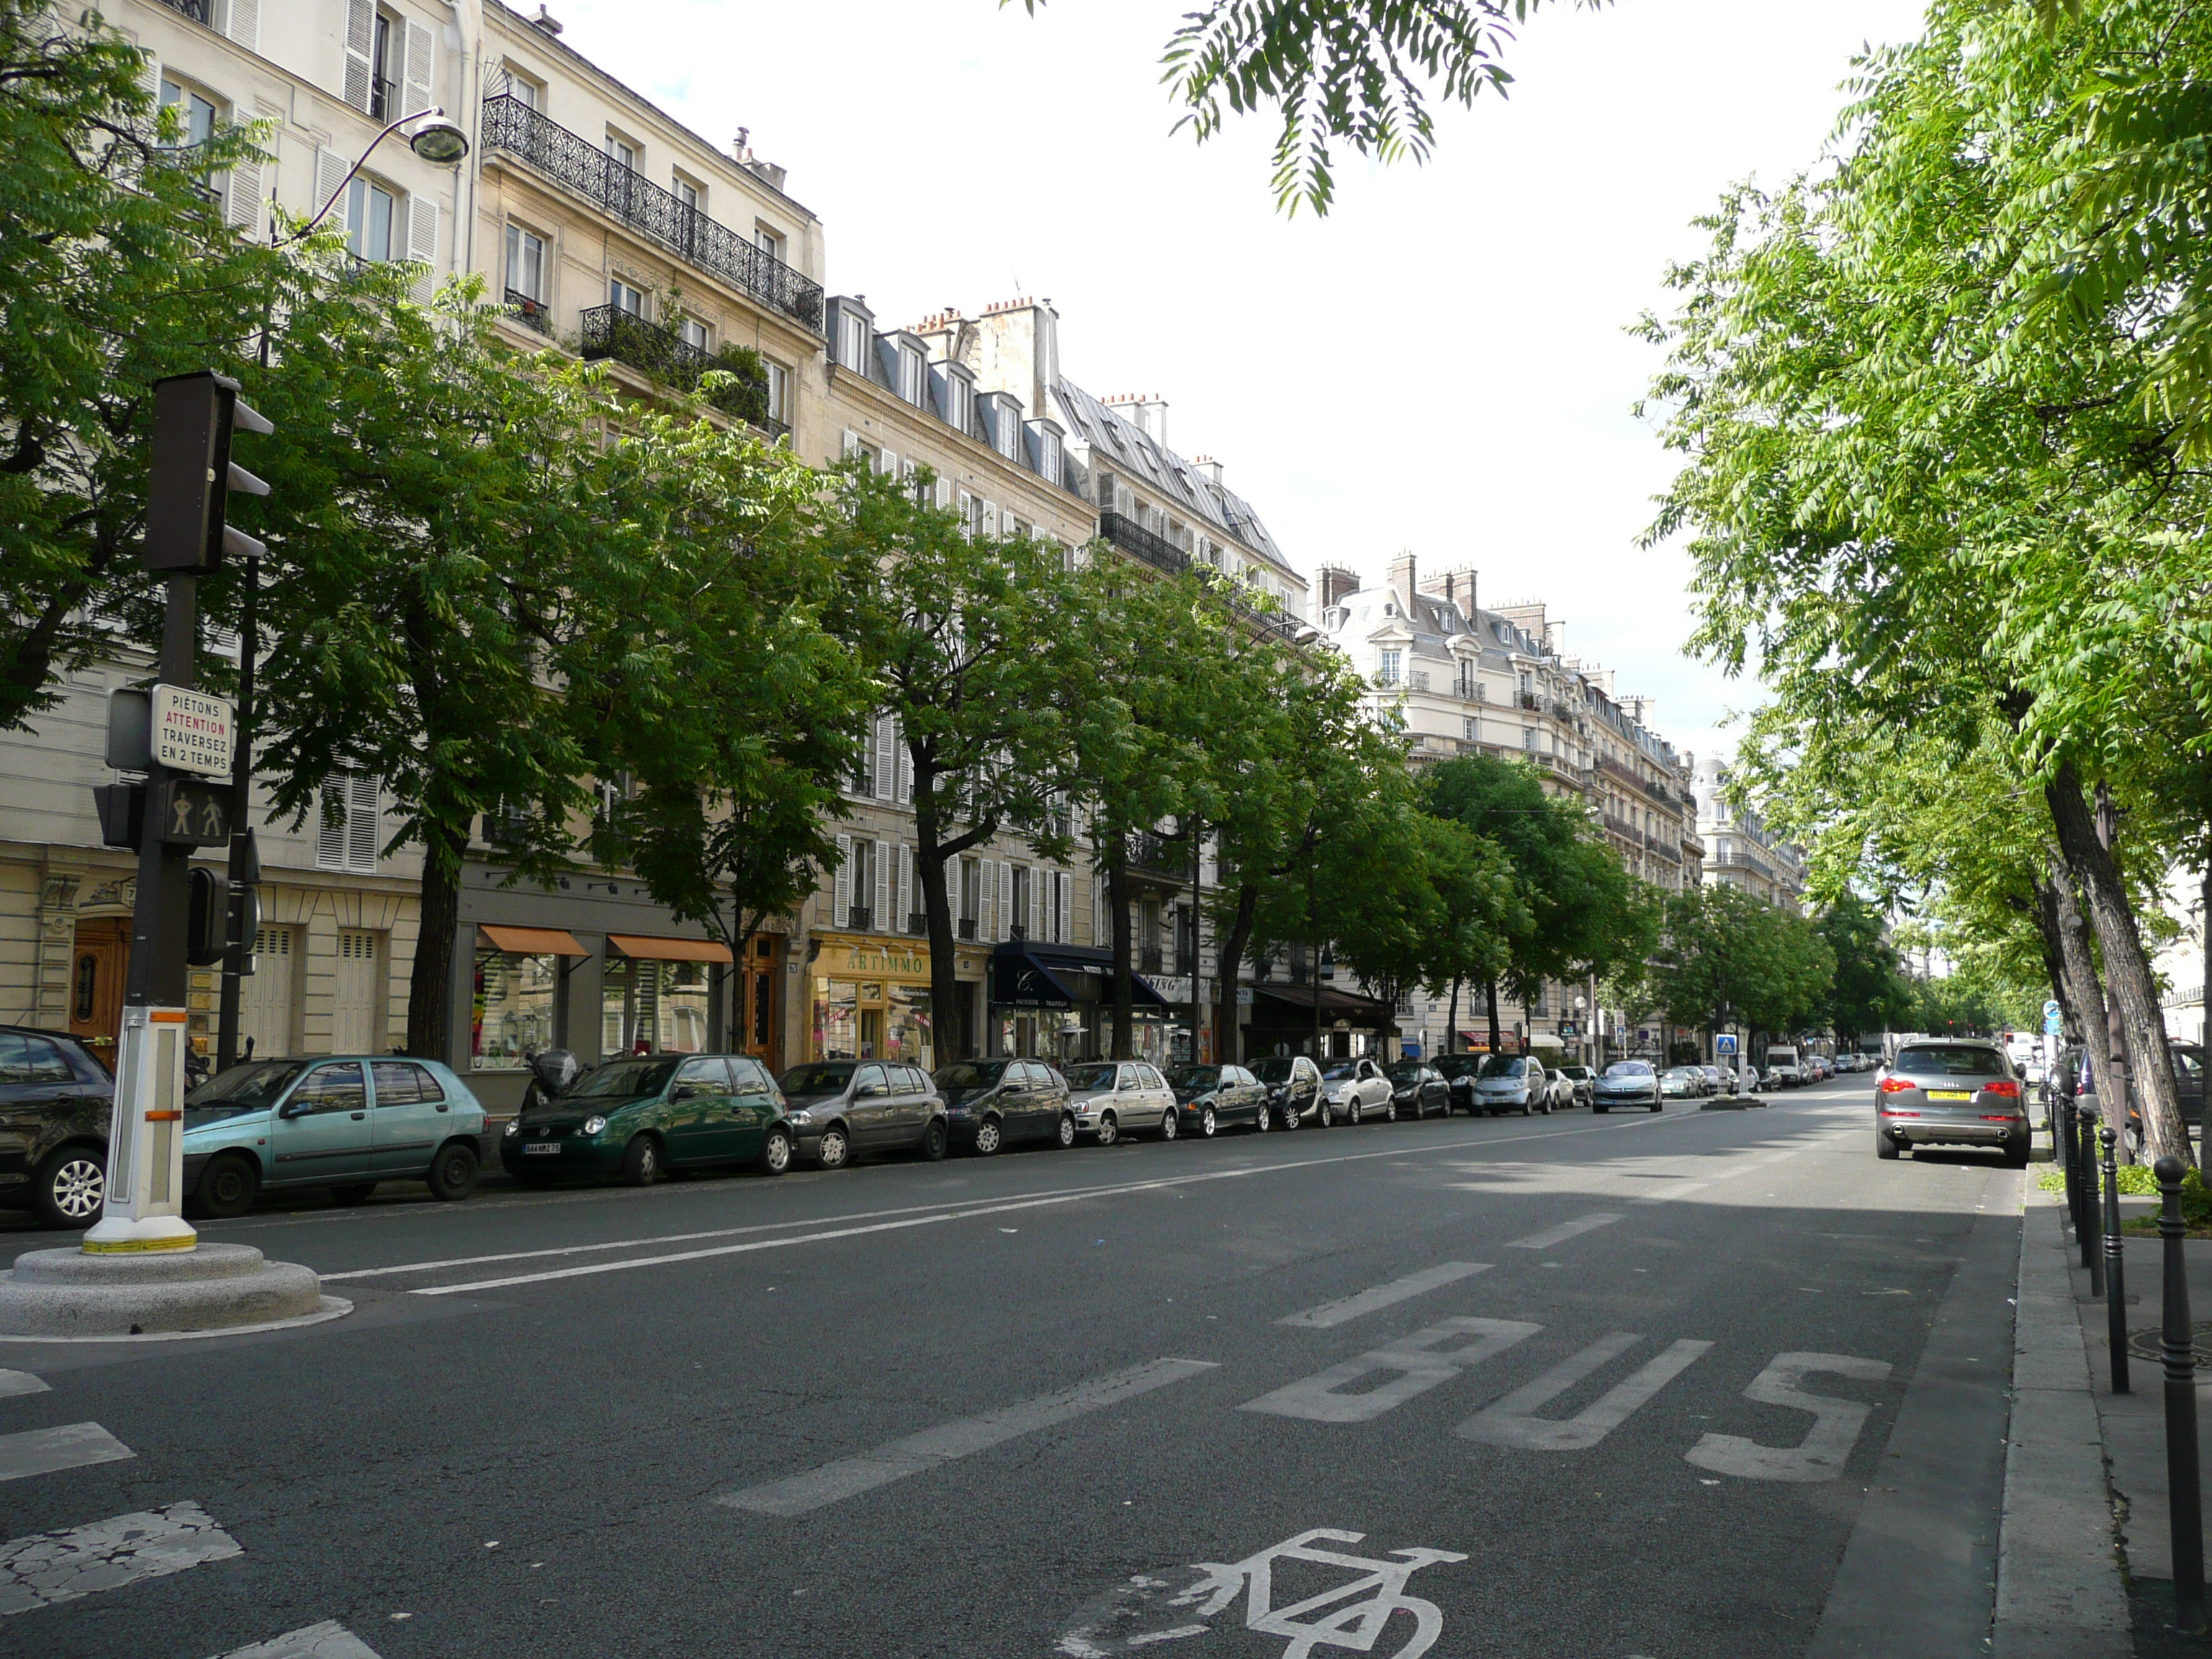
(435, 138)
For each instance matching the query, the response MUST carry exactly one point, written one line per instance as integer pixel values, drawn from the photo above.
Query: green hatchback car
(640, 1117)
(341, 1122)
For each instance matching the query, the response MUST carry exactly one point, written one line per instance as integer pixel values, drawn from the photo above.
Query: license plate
(551, 1149)
(1950, 1094)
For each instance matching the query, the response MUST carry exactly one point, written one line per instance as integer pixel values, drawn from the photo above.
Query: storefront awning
(1370, 1013)
(531, 941)
(643, 949)
(1061, 975)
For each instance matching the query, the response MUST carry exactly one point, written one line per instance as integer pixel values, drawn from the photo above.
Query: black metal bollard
(2068, 1149)
(2116, 1280)
(2183, 1504)
(2093, 1241)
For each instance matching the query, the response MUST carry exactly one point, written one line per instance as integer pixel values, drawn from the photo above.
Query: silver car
(1350, 1091)
(1511, 1083)
(1951, 1091)
(1116, 1097)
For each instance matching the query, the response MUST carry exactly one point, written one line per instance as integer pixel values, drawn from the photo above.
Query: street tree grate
(2148, 1344)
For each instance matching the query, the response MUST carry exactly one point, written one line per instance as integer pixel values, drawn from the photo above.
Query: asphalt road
(1570, 1387)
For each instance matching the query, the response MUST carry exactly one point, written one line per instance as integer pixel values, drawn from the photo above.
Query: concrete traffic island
(209, 1288)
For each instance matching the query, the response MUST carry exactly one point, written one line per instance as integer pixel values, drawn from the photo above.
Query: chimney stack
(1337, 583)
(1402, 573)
(1209, 466)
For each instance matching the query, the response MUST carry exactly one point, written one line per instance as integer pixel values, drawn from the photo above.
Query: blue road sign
(1724, 1042)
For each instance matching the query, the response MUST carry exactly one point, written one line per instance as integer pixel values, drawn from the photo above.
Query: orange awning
(668, 949)
(533, 941)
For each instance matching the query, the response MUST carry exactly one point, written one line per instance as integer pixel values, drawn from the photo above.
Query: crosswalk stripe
(849, 1477)
(1349, 1308)
(62, 1566)
(328, 1640)
(67, 1446)
(20, 1383)
(1565, 1231)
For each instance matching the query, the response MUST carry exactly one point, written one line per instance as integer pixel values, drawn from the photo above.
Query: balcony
(200, 11)
(661, 353)
(1531, 702)
(968, 928)
(531, 312)
(1660, 846)
(917, 923)
(1150, 960)
(580, 167)
(1160, 855)
(859, 918)
(1134, 539)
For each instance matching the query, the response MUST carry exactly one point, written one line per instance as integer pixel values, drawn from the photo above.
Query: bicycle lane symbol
(1351, 1617)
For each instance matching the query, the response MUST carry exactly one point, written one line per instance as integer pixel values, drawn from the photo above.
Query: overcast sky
(1440, 366)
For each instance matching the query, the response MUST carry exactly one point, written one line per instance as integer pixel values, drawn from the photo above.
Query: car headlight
(803, 1114)
(593, 1125)
(514, 1126)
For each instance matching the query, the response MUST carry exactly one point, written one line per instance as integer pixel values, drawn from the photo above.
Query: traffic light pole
(245, 861)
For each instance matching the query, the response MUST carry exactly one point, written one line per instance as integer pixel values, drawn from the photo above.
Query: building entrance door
(97, 967)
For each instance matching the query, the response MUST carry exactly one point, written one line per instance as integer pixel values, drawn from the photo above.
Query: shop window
(653, 1007)
(836, 1019)
(512, 1014)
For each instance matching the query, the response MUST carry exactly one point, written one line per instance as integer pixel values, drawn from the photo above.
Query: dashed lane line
(14, 1382)
(328, 1640)
(49, 1567)
(1565, 1231)
(67, 1446)
(849, 1477)
(1346, 1309)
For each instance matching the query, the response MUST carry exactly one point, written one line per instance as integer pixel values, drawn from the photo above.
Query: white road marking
(1827, 1444)
(328, 1640)
(68, 1446)
(832, 1483)
(1681, 1189)
(1564, 1231)
(1512, 1421)
(1329, 1617)
(20, 1383)
(1419, 1364)
(1349, 1308)
(62, 1566)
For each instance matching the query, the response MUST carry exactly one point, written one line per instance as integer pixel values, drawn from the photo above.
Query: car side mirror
(686, 1092)
(295, 1108)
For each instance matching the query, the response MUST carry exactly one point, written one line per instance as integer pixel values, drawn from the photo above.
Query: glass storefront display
(513, 1017)
(653, 1007)
(908, 1034)
(871, 1001)
(836, 1019)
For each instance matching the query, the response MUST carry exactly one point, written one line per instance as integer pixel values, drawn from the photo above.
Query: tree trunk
(1117, 906)
(430, 982)
(2075, 960)
(2054, 953)
(1231, 964)
(1315, 975)
(1489, 998)
(2127, 979)
(1451, 1021)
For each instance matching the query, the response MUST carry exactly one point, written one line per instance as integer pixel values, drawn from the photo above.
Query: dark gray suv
(55, 1101)
(1951, 1091)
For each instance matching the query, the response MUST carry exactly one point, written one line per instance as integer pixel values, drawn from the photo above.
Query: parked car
(345, 1122)
(1951, 1091)
(1350, 1088)
(1628, 1082)
(1559, 1093)
(1718, 1080)
(55, 1101)
(1459, 1072)
(1416, 1090)
(2188, 1082)
(1584, 1082)
(640, 1116)
(991, 1103)
(837, 1109)
(1510, 1083)
(1114, 1098)
(1211, 1097)
(1683, 1083)
(1294, 1088)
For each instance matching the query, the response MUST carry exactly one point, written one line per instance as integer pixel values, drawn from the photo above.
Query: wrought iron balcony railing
(610, 331)
(917, 923)
(1149, 960)
(200, 11)
(859, 918)
(531, 312)
(575, 163)
(1160, 854)
(968, 928)
(1134, 539)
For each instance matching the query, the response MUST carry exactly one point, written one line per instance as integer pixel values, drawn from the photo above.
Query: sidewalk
(2084, 1558)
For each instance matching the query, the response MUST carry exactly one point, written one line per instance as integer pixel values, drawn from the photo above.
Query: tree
(1869, 992)
(1725, 955)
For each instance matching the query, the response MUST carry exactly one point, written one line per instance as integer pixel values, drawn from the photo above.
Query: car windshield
(1194, 1077)
(1276, 1068)
(1408, 1070)
(251, 1087)
(1340, 1073)
(1952, 1062)
(621, 1080)
(971, 1074)
(1458, 1065)
(1580, 1073)
(1502, 1065)
(821, 1078)
(1628, 1069)
(1088, 1079)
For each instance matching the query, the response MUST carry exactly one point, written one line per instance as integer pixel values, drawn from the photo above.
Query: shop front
(1282, 1018)
(871, 1001)
(1056, 1002)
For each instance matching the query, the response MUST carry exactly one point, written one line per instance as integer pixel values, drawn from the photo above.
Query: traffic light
(193, 474)
(203, 927)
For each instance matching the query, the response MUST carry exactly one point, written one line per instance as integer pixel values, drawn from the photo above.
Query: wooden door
(97, 967)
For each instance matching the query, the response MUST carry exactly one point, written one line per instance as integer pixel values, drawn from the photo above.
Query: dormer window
(853, 342)
(913, 375)
(959, 402)
(1393, 665)
(1049, 457)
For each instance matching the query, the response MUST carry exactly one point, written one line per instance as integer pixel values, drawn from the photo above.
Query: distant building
(1741, 852)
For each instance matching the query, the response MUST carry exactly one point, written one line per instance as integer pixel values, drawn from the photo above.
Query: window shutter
(363, 841)
(987, 902)
(422, 243)
(1065, 884)
(887, 463)
(361, 34)
(841, 901)
(416, 75)
(1006, 916)
(243, 207)
(331, 169)
(886, 757)
(154, 82)
(852, 445)
(244, 23)
(330, 832)
(990, 517)
(943, 494)
(884, 854)
(906, 894)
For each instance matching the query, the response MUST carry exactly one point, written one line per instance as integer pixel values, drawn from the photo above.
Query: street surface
(1566, 1386)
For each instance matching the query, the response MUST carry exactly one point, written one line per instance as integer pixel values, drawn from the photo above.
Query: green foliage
(1723, 955)
(1870, 991)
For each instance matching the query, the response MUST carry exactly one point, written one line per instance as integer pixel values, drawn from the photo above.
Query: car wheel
(453, 1173)
(1170, 1127)
(1354, 1112)
(1324, 1115)
(775, 1152)
(226, 1188)
(988, 1137)
(71, 1189)
(1658, 1105)
(1884, 1147)
(936, 1140)
(1259, 1123)
(1066, 1137)
(1109, 1130)
(641, 1164)
(1599, 1111)
(1206, 1124)
(1390, 1110)
(1527, 1107)
(835, 1150)
(355, 1191)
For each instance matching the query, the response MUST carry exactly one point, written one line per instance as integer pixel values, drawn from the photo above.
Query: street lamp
(437, 140)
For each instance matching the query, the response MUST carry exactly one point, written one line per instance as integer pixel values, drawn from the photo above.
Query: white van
(1784, 1070)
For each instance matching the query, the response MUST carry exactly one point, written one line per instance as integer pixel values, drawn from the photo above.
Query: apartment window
(1049, 457)
(525, 263)
(697, 334)
(383, 103)
(1023, 877)
(959, 402)
(1528, 739)
(689, 194)
(1392, 663)
(1106, 491)
(195, 114)
(861, 869)
(1474, 728)
(769, 242)
(779, 391)
(853, 342)
(622, 151)
(349, 838)
(913, 375)
(971, 896)
(1010, 432)
(523, 90)
(623, 297)
(370, 209)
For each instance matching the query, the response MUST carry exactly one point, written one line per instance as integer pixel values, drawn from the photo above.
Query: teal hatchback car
(638, 1118)
(342, 1122)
